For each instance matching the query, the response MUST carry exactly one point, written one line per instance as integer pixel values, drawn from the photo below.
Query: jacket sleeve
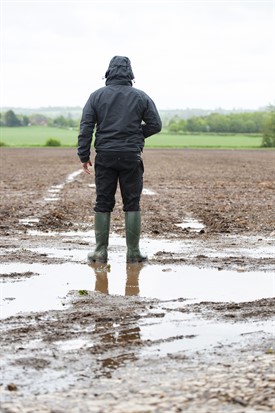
(151, 118)
(85, 137)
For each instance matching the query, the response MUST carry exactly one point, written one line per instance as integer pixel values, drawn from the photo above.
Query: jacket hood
(119, 70)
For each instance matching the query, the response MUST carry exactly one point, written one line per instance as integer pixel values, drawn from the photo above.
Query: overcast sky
(196, 54)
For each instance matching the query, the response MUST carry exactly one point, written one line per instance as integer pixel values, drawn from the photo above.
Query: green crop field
(203, 141)
(38, 135)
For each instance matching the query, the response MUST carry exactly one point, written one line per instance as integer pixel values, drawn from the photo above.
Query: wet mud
(191, 330)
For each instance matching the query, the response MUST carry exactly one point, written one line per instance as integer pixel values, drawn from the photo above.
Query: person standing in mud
(123, 117)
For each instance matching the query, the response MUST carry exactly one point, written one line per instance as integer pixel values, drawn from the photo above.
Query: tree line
(11, 119)
(251, 122)
(259, 122)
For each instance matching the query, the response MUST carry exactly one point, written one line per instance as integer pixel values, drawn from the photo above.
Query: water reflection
(132, 280)
(120, 335)
(101, 277)
(112, 363)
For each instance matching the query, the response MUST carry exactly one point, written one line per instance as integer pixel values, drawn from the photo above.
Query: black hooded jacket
(123, 115)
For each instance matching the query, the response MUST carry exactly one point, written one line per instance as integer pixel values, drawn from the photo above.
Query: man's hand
(85, 166)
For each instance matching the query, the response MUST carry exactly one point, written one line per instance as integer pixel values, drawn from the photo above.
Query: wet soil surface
(139, 351)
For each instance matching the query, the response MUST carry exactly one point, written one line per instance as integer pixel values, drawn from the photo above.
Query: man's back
(118, 110)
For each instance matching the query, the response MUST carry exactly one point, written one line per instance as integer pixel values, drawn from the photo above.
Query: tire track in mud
(52, 214)
(52, 195)
(100, 338)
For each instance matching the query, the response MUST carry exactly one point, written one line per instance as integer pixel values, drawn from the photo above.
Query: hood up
(119, 70)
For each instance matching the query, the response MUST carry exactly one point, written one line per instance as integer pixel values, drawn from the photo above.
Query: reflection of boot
(132, 229)
(101, 283)
(102, 229)
(132, 283)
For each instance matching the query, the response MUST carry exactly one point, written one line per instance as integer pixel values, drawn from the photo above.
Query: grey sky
(205, 54)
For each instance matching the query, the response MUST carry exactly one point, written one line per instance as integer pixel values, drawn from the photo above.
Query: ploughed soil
(92, 356)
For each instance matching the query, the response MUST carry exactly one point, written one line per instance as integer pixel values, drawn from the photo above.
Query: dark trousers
(111, 168)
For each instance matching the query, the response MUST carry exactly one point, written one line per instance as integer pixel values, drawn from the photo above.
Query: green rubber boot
(102, 229)
(132, 229)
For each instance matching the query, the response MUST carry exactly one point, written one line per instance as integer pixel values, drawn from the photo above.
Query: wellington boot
(132, 229)
(102, 229)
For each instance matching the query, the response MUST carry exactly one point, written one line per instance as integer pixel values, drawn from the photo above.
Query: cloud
(200, 53)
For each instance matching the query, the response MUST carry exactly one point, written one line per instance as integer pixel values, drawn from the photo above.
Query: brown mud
(104, 352)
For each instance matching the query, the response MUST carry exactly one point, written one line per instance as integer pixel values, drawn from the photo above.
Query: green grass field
(204, 141)
(38, 135)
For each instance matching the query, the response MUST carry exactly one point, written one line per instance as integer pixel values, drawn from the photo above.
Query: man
(123, 116)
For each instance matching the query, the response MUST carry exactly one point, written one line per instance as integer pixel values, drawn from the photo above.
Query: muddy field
(190, 331)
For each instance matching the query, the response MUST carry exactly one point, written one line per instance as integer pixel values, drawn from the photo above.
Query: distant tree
(243, 122)
(249, 126)
(25, 121)
(259, 119)
(173, 125)
(201, 124)
(235, 123)
(218, 123)
(269, 129)
(196, 124)
(182, 125)
(60, 121)
(10, 119)
(191, 124)
(71, 123)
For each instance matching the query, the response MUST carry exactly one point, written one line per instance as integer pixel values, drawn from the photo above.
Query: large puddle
(47, 286)
(52, 282)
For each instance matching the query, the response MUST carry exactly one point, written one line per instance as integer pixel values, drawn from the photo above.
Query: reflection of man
(125, 332)
(101, 281)
(132, 282)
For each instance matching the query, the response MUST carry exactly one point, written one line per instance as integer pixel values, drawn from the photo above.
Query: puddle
(49, 289)
(259, 251)
(29, 221)
(175, 331)
(188, 248)
(164, 282)
(71, 177)
(50, 199)
(146, 191)
(56, 189)
(53, 192)
(191, 225)
(72, 345)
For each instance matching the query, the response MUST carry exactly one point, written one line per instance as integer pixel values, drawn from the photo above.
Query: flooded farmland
(192, 330)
